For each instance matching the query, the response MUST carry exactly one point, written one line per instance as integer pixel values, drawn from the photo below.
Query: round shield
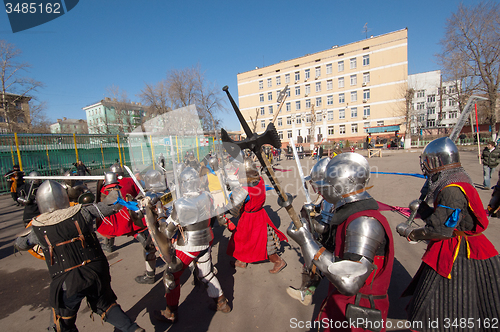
(86, 198)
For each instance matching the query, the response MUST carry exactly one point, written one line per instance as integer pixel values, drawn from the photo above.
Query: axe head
(254, 143)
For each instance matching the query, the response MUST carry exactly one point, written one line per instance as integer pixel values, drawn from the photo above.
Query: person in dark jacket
(27, 197)
(490, 159)
(81, 168)
(15, 178)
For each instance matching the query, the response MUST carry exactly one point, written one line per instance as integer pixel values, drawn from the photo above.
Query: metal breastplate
(193, 215)
(68, 244)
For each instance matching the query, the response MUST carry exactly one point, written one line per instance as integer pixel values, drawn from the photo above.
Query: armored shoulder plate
(363, 236)
(193, 209)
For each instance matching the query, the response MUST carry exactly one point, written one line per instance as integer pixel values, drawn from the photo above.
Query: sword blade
(137, 183)
(301, 174)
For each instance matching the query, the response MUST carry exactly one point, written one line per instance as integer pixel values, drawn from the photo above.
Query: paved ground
(259, 300)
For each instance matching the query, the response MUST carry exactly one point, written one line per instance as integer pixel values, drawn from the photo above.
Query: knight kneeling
(360, 264)
(189, 226)
(77, 265)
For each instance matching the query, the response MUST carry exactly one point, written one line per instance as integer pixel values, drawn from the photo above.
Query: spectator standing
(490, 159)
(15, 178)
(81, 169)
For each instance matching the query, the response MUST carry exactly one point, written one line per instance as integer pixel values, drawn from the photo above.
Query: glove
(306, 242)
(405, 230)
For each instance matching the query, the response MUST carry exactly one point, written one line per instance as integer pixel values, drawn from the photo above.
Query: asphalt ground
(259, 299)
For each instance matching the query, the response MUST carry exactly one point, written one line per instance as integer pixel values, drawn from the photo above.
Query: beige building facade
(346, 89)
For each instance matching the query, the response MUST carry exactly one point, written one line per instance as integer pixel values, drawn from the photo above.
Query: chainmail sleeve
(93, 211)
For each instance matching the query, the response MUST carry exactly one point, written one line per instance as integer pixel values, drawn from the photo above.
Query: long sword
(301, 174)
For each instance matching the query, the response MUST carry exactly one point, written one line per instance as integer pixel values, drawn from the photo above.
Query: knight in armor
(76, 189)
(355, 251)
(210, 175)
(77, 265)
(27, 197)
(189, 226)
(191, 161)
(255, 237)
(320, 215)
(461, 267)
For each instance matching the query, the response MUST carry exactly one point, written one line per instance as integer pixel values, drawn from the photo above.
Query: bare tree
(121, 105)
(14, 88)
(471, 52)
(39, 123)
(156, 99)
(254, 122)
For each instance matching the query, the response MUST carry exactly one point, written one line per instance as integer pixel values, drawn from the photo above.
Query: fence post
(18, 153)
(12, 154)
(48, 158)
(152, 151)
(76, 149)
(119, 151)
(177, 147)
(197, 148)
(142, 152)
(102, 154)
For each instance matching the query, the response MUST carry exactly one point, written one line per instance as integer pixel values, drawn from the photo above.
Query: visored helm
(248, 172)
(213, 162)
(189, 180)
(438, 155)
(117, 169)
(51, 196)
(35, 173)
(110, 178)
(154, 181)
(318, 172)
(345, 179)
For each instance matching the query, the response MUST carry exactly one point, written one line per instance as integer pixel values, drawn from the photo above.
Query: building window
(263, 124)
(366, 111)
(287, 78)
(307, 73)
(354, 128)
(297, 105)
(451, 89)
(318, 72)
(365, 126)
(453, 115)
(261, 85)
(366, 94)
(278, 80)
(289, 134)
(420, 93)
(280, 133)
(366, 78)
(318, 102)
(269, 82)
(354, 96)
(342, 114)
(288, 92)
(330, 131)
(308, 89)
(297, 90)
(354, 112)
(354, 79)
(288, 107)
(308, 118)
(451, 102)
(298, 132)
(420, 106)
(341, 82)
(366, 60)
(280, 122)
(431, 98)
(341, 98)
(380, 123)
(269, 96)
(297, 76)
(329, 84)
(262, 111)
(271, 109)
(341, 66)
(431, 122)
(288, 120)
(329, 115)
(342, 129)
(318, 86)
(431, 110)
(328, 68)
(352, 63)
(261, 97)
(298, 119)
(329, 100)
(308, 103)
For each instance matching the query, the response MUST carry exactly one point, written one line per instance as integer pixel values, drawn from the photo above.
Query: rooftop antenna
(366, 29)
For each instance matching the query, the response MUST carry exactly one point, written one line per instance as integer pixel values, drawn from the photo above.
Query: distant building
(69, 126)
(334, 94)
(434, 104)
(110, 116)
(16, 110)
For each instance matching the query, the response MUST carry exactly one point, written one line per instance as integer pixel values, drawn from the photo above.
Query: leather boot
(146, 278)
(221, 304)
(240, 264)
(279, 263)
(168, 315)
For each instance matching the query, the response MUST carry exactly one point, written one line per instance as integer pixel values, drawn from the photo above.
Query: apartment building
(110, 116)
(332, 95)
(69, 126)
(434, 104)
(14, 113)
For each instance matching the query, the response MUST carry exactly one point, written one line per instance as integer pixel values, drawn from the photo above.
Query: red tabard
(120, 223)
(335, 305)
(440, 254)
(249, 241)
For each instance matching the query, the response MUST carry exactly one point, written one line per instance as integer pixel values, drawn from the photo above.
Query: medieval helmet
(318, 172)
(438, 155)
(111, 180)
(51, 196)
(117, 169)
(346, 177)
(35, 182)
(248, 172)
(189, 180)
(213, 162)
(69, 182)
(190, 155)
(154, 181)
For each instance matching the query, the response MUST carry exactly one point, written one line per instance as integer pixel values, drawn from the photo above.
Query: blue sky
(128, 43)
